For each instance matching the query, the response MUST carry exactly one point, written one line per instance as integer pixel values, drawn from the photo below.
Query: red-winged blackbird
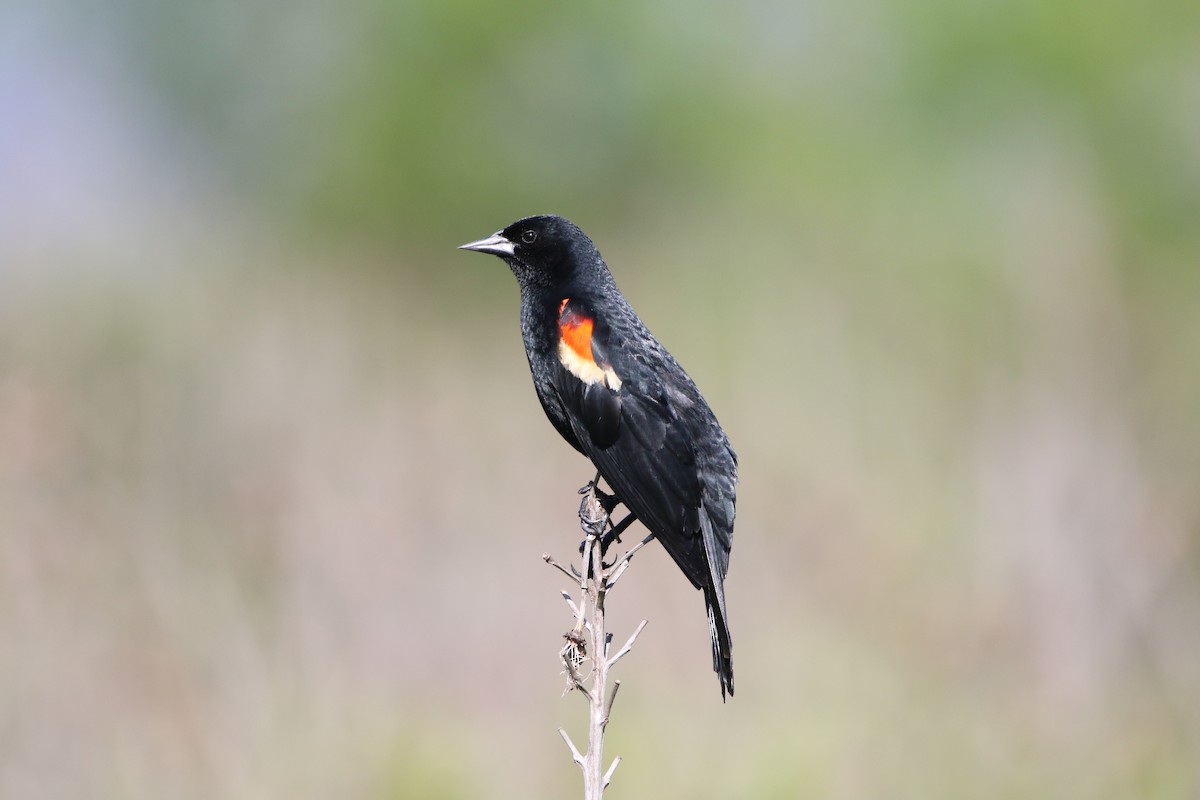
(617, 396)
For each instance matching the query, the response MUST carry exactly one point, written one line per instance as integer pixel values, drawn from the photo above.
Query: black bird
(617, 396)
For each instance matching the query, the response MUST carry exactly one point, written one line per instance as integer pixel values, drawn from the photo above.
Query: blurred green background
(274, 485)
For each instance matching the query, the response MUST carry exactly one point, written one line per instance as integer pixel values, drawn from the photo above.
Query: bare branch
(575, 754)
(621, 564)
(571, 604)
(589, 640)
(588, 546)
(612, 768)
(611, 698)
(628, 645)
(572, 573)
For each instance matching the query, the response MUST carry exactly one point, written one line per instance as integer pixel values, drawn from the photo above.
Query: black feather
(650, 433)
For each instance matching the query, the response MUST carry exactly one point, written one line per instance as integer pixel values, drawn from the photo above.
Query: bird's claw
(608, 502)
(592, 515)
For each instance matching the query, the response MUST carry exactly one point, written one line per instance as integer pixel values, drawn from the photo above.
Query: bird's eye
(529, 237)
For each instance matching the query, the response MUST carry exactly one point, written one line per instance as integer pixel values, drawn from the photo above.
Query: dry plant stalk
(585, 655)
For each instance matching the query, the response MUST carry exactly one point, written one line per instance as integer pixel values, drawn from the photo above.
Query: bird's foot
(595, 517)
(607, 501)
(592, 516)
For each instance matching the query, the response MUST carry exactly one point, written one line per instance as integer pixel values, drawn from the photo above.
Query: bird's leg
(593, 516)
(590, 486)
(607, 501)
(614, 533)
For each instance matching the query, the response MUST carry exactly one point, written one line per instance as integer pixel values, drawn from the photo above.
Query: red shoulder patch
(575, 348)
(576, 331)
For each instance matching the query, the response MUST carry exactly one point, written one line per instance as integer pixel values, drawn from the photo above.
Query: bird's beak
(495, 244)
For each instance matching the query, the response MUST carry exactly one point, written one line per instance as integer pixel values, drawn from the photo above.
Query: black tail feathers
(721, 643)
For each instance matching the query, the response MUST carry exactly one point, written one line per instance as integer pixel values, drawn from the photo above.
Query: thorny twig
(589, 641)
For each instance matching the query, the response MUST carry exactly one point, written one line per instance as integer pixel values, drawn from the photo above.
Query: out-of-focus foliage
(393, 118)
(273, 483)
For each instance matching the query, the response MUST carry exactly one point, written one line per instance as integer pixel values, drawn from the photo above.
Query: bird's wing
(643, 423)
(635, 420)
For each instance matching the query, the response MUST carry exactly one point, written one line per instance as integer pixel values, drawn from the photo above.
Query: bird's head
(544, 250)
